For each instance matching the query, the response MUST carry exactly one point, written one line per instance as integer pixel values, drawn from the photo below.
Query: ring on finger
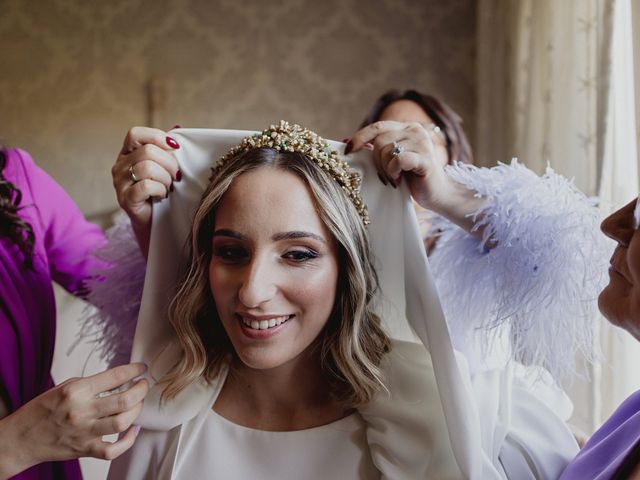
(397, 149)
(132, 174)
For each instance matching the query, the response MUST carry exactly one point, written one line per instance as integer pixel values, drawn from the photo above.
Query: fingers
(113, 378)
(405, 162)
(145, 158)
(141, 160)
(110, 451)
(370, 132)
(116, 423)
(123, 401)
(138, 136)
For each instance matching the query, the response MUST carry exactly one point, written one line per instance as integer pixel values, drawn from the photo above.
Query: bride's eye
(230, 254)
(301, 256)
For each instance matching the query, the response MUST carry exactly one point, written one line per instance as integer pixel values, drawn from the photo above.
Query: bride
(489, 420)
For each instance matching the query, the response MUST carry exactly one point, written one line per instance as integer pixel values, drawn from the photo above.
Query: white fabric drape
(555, 83)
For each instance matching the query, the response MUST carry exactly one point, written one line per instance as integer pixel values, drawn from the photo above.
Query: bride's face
(274, 268)
(620, 300)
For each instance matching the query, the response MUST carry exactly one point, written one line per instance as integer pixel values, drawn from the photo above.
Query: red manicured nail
(172, 143)
(176, 126)
(348, 148)
(178, 176)
(345, 139)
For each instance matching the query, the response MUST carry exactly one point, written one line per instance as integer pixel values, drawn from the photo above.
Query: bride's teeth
(265, 324)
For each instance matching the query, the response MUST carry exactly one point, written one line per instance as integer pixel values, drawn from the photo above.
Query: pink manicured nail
(172, 143)
(176, 126)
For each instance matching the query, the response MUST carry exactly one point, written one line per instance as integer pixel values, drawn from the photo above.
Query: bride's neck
(292, 396)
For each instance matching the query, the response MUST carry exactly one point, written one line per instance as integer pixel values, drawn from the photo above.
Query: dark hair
(11, 225)
(443, 115)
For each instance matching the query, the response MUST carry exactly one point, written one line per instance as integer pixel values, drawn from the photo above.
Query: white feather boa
(535, 293)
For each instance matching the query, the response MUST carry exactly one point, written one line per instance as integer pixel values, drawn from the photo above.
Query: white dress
(206, 445)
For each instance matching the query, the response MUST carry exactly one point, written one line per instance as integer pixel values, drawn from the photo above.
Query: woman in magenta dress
(43, 238)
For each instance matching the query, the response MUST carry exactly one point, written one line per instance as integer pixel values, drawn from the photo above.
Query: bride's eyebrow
(292, 235)
(297, 234)
(224, 232)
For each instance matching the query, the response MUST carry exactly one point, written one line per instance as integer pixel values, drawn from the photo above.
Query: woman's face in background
(620, 300)
(274, 267)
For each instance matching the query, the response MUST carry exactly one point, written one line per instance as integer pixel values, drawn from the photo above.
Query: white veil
(408, 304)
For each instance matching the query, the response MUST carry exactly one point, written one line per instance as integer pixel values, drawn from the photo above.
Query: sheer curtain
(556, 83)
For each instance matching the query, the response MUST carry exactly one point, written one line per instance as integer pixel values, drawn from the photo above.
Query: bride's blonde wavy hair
(352, 342)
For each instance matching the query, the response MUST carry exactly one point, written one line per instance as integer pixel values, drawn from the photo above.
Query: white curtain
(555, 84)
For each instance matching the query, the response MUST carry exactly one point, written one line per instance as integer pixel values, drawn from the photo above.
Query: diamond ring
(397, 150)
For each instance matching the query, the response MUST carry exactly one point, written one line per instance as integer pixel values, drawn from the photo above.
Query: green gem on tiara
(287, 137)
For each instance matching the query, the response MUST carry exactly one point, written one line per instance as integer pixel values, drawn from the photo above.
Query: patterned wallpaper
(76, 75)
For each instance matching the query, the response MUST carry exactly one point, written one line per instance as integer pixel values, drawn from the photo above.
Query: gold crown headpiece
(286, 137)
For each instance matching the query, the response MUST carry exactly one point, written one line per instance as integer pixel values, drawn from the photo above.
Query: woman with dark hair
(43, 238)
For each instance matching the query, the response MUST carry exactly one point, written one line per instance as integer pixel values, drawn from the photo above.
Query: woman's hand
(145, 169)
(418, 154)
(69, 421)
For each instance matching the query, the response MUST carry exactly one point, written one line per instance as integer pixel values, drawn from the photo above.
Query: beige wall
(76, 74)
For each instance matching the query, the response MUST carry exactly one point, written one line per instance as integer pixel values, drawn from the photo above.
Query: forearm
(459, 205)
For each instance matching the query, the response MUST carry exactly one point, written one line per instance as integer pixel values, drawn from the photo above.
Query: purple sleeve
(69, 239)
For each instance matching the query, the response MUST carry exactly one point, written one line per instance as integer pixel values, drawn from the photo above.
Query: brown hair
(352, 342)
(445, 117)
(11, 225)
